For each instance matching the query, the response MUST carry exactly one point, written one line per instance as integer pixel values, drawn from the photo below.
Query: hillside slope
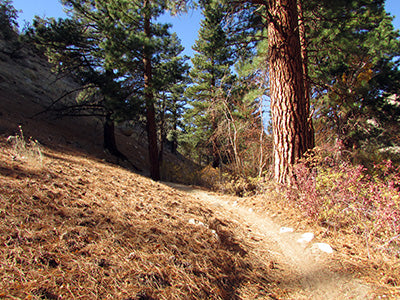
(74, 227)
(28, 88)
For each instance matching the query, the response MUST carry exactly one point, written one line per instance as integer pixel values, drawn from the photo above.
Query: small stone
(286, 229)
(195, 222)
(323, 247)
(306, 237)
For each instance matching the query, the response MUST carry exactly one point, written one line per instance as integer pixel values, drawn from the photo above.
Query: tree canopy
(331, 64)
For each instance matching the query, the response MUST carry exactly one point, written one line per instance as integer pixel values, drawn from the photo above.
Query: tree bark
(151, 125)
(162, 130)
(109, 143)
(288, 104)
(307, 86)
(215, 147)
(174, 142)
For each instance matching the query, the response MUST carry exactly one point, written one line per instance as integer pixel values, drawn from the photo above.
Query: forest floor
(73, 226)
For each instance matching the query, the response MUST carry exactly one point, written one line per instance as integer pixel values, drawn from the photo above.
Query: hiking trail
(310, 274)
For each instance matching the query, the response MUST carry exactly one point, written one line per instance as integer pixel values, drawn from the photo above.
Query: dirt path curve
(310, 273)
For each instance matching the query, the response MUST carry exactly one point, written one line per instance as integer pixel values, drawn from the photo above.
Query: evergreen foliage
(8, 19)
(72, 46)
(354, 67)
(116, 48)
(211, 82)
(172, 76)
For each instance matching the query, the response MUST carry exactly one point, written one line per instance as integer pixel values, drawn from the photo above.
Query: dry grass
(73, 227)
(26, 150)
(78, 228)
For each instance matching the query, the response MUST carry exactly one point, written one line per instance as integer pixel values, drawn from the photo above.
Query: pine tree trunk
(109, 143)
(151, 125)
(161, 128)
(288, 107)
(215, 151)
(174, 146)
(307, 87)
(174, 142)
(214, 125)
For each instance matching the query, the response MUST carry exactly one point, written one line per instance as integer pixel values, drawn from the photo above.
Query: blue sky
(186, 26)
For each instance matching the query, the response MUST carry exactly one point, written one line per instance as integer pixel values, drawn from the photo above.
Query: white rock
(195, 222)
(306, 237)
(286, 229)
(251, 210)
(323, 247)
(235, 203)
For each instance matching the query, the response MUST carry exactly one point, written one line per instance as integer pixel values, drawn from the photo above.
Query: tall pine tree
(173, 72)
(127, 46)
(211, 80)
(153, 41)
(289, 107)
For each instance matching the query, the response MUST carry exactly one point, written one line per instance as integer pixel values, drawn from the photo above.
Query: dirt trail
(311, 274)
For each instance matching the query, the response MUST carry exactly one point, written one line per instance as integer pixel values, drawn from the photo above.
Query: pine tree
(117, 46)
(211, 79)
(354, 68)
(73, 48)
(172, 72)
(289, 111)
(151, 40)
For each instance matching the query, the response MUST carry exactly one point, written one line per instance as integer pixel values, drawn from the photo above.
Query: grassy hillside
(75, 227)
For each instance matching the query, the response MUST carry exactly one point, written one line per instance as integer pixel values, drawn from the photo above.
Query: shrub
(26, 150)
(190, 174)
(345, 196)
(239, 185)
(211, 178)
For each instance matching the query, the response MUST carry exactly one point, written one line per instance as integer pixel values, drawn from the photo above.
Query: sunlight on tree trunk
(288, 107)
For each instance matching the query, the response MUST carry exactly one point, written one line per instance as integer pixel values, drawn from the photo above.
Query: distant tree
(211, 80)
(8, 19)
(173, 72)
(249, 93)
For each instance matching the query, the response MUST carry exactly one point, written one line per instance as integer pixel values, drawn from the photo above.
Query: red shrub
(342, 195)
